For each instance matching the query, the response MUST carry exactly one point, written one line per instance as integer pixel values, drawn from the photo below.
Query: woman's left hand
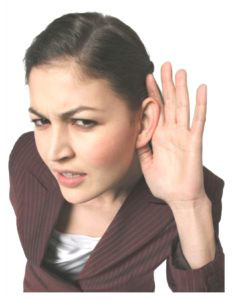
(174, 171)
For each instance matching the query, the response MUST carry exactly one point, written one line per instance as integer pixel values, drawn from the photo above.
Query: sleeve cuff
(182, 278)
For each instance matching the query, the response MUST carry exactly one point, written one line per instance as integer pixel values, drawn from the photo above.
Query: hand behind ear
(173, 171)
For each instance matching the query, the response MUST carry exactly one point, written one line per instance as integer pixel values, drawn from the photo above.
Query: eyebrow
(64, 116)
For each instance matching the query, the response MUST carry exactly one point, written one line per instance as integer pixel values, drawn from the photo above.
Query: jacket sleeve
(210, 277)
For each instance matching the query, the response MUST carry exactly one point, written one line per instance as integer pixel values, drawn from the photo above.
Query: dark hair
(102, 45)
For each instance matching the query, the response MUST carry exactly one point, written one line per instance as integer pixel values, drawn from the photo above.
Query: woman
(111, 182)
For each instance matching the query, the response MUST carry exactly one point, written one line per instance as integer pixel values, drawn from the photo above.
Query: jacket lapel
(41, 210)
(131, 228)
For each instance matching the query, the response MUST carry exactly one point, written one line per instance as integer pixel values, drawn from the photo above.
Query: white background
(193, 35)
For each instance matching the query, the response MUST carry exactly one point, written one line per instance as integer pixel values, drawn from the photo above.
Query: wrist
(193, 204)
(196, 232)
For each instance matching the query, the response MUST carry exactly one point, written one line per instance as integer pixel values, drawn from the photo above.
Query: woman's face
(104, 149)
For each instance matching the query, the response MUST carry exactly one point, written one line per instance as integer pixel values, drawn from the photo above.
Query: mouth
(70, 179)
(67, 172)
(71, 174)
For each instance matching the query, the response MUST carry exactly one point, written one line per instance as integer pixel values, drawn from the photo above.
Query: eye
(86, 121)
(43, 121)
(35, 121)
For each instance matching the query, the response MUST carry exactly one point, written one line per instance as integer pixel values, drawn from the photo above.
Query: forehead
(65, 68)
(65, 85)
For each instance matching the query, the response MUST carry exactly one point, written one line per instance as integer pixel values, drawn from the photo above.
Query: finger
(154, 92)
(199, 117)
(169, 93)
(182, 99)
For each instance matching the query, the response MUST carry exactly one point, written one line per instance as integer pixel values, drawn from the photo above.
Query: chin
(71, 202)
(71, 197)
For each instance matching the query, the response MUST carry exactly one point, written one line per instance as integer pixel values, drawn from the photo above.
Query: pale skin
(105, 151)
(174, 171)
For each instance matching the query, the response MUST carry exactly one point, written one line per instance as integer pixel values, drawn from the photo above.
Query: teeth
(71, 174)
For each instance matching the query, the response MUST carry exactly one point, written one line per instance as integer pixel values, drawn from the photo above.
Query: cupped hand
(174, 171)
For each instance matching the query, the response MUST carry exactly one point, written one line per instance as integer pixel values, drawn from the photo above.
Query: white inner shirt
(67, 253)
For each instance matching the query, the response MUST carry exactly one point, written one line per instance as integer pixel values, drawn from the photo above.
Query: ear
(153, 89)
(148, 121)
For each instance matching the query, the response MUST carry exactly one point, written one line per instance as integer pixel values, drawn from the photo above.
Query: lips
(70, 171)
(70, 181)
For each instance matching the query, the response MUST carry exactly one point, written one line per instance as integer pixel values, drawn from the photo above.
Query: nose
(59, 146)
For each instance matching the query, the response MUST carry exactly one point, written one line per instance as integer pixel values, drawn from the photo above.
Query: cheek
(41, 148)
(111, 149)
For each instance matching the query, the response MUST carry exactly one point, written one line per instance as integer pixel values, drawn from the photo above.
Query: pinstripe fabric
(140, 237)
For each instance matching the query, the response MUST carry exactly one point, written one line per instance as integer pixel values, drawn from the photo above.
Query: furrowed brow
(66, 115)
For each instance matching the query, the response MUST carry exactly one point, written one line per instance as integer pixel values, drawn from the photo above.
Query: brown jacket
(141, 236)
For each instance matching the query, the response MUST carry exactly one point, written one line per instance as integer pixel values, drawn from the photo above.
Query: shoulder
(210, 177)
(18, 159)
(23, 153)
(213, 184)
(22, 145)
(26, 165)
